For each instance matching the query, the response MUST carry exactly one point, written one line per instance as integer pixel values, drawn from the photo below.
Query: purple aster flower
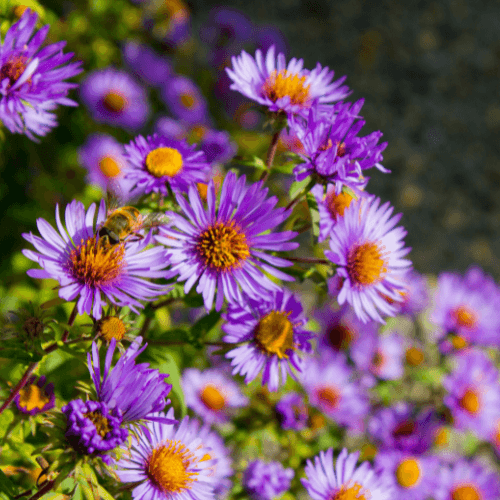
(468, 481)
(369, 251)
(32, 80)
(414, 477)
(292, 411)
(329, 385)
(185, 100)
(333, 152)
(218, 146)
(169, 462)
(225, 248)
(92, 427)
(267, 36)
(265, 481)
(383, 357)
(416, 294)
(85, 268)
(400, 427)
(36, 396)
(173, 129)
(331, 206)
(283, 88)
(326, 481)
(473, 393)
(134, 389)
(157, 161)
(114, 97)
(103, 156)
(211, 394)
(273, 335)
(467, 310)
(147, 64)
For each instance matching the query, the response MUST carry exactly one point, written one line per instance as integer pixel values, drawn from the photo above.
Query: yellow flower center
(109, 166)
(164, 162)
(351, 492)
(337, 203)
(31, 397)
(414, 356)
(465, 492)
(100, 422)
(212, 398)
(470, 401)
(13, 68)
(187, 100)
(274, 334)
(96, 264)
(283, 84)
(112, 327)
(203, 190)
(458, 342)
(441, 437)
(114, 101)
(328, 396)
(465, 317)
(167, 467)
(340, 336)
(223, 247)
(365, 264)
(408, 473)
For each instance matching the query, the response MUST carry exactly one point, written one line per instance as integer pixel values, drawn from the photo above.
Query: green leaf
(254, 162)
(6, 485)
(204, 325)
(297, 187)
(19, 355)
(313, 209)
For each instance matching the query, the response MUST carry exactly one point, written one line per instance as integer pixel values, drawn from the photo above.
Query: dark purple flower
(92, 427)
(218, 147)
(147, 64)
(36, 396)
(265, 481)
(292, 411)
(32, 80)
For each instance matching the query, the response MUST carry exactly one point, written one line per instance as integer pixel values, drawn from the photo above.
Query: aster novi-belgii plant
(224, 248)
(32, 79)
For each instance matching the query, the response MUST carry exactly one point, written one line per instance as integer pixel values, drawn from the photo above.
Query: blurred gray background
(429, 72)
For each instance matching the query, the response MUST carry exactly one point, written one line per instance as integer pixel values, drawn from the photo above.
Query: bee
(123, 223)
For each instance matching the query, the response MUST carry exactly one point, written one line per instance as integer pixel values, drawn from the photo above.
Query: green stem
(271, 152)
(306, 260)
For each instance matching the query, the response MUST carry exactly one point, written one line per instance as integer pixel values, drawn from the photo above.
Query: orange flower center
(378, 359)
(212, 398)
(458, 342)
(340, 336)
(414, 356)
(13, 68)
(328, 396)
(365, 264)
(408, 473)
(351, 492)
(187, 100)
(337, 203)
(100, 422)
(465, 317)
(164, 162)
(114, 101)
(112, 327)
(274, 334)
(109, 166)
(465, 492)
(32, 396)
(441, 437)
(96, 264)
(223, 247)
(167, 467)
(470, 401)
(285, 84)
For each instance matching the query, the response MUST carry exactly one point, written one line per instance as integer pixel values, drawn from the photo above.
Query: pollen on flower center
(212, 398)
(458, 342)
(378, 359)
(274, 334)
(408, 473)
(187, 100)
(414, 356)
(164, 162)
(465, 492)
(100, 422)
(328, 396)
(223, 247)
(285, 84)
(31, 397)
(114, 101)
(340, 337)
(109, 166)
(365, 264)
(167, 467)
(351, 492)
(337, 203)
(13, 68)
(470, 401)
(96, 264)
(465, 317)
(111, 327)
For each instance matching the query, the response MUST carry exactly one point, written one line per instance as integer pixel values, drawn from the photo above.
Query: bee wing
(154, 219)
(114, 196)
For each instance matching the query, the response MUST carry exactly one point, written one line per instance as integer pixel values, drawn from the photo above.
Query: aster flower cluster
(229, 355)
